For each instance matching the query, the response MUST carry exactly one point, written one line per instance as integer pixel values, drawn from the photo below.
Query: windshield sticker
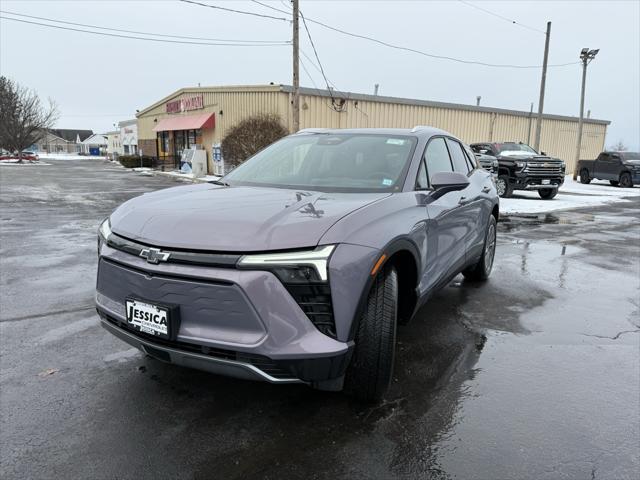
(387, 182)
(396, 141)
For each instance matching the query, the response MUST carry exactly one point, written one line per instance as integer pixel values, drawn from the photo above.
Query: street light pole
(296, 69)
(586, 56)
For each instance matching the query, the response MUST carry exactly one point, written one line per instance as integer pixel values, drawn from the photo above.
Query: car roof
(418, 131)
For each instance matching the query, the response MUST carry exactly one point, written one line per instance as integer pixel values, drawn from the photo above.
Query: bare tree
(250, 136)
(23, 118)
(618, 147)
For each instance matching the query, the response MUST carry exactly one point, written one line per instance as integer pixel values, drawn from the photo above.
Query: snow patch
(572, 194)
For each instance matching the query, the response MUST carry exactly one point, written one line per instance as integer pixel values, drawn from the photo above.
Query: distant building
(95, 145)
(62, 140)
(129, 137)
(114, 146)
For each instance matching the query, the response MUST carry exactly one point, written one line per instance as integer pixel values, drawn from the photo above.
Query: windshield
(330, 162)
(514, 147)
(631, 155)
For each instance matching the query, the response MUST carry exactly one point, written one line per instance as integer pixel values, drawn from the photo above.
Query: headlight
(105, 230)
(521, 164)
(293, 267)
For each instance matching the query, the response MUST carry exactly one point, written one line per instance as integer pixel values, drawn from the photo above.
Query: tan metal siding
(558, 135)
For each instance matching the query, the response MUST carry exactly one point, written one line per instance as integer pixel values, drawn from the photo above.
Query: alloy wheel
(490, 248)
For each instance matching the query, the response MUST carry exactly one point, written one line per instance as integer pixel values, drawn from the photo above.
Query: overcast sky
(99, 80)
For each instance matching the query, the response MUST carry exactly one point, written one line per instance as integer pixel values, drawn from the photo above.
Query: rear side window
(471, 158)
(460, 163)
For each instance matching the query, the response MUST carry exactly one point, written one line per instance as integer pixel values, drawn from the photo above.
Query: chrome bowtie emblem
(154, 255)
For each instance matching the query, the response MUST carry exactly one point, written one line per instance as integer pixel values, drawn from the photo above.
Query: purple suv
(298, 265)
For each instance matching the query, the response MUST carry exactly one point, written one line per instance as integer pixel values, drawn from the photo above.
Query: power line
(105, 34)
(430, 55)
(513, 22)
(272, 7)
(304, 67)
(242, 12)
(421, 52)
(142, 33)
(337, 106)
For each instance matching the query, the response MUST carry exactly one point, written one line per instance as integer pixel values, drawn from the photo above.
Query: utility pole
(296, 68)
(586, 56)
(542, 84)
(529, 125)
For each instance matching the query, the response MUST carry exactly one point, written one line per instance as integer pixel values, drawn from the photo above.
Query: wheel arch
(403, 254)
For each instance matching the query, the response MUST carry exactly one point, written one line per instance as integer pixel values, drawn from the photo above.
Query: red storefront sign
(185, 104)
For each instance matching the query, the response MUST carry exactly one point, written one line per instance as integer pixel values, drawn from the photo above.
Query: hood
(633, 163)
(234, 219)
(520, 155)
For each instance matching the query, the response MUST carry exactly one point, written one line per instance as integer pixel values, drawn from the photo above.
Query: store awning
(186, 122)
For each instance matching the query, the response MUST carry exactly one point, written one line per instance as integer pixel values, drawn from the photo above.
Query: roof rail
(312, 130)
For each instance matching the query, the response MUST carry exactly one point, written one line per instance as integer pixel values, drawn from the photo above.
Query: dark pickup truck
(620, 168)
(520, 167)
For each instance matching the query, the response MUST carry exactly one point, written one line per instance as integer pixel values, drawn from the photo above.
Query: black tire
(502, 186)
(371, 368)
(584, 176)
(547, 193)
(625, 180)
(615, 183)
(481, 270)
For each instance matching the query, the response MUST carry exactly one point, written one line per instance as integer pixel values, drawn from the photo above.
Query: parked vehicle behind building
(620, 168)
(298, 265)
(522, 168)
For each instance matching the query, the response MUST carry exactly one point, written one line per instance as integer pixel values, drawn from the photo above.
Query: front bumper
(535, 182)
(232, 322)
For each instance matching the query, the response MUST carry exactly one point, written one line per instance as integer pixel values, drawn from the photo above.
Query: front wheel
(625, 180)
(503, 187)
(547, 193)
(482, 269)
(584, 176)
(369, 373)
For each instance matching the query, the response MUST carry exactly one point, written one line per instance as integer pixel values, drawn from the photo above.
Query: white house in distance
(129, 137)
(95, 145)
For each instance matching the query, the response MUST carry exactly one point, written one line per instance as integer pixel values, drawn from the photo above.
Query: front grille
(543, 168)
(265, 364)
(315, 301)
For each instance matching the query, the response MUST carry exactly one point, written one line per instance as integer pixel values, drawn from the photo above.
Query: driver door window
(437, 157)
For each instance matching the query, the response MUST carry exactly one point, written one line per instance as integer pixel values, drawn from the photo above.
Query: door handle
(462, 201)
(486, 189)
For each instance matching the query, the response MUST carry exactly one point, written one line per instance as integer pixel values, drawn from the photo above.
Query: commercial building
(128, 137)
(113, 144)
(201, 116)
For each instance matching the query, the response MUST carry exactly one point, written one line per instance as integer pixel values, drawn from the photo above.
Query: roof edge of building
(430, 103)
(364, 97)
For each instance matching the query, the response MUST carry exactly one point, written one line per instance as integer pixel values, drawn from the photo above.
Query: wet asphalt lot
(533, 375)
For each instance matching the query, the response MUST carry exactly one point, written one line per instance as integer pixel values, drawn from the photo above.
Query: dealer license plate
(148, 318)
(546, 182)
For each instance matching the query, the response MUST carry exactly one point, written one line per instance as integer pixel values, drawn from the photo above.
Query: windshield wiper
(220, 182)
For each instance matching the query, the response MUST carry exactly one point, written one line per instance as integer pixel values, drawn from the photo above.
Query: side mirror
(445, 182)
(543, 153)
